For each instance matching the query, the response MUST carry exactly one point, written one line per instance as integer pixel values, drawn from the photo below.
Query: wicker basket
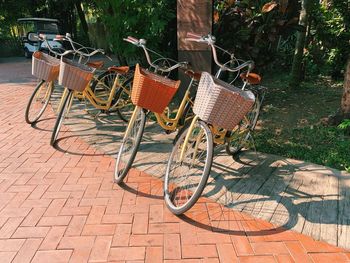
(221, 104)
(151, 91)
(45, 66)
(74, 76)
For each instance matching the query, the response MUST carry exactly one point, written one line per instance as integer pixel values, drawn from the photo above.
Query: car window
(46, 27)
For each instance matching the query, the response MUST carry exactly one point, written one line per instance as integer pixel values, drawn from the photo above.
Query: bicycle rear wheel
(186, 177)
(38, 101)
(242, 132)
(102, 84)
(60, 117)
(130, 145)
(122, 102)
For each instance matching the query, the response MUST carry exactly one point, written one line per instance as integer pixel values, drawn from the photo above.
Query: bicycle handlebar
(68, 38)
(142, 43)
(210, 40)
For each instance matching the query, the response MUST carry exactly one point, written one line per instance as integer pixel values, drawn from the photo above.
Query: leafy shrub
(329, 38)
(345, 124)
(148, 20)
(258, 30)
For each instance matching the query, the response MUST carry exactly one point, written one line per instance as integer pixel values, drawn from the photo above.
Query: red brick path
(64, 207)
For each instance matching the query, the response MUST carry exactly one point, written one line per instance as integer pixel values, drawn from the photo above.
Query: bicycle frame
(170, 124)
(220, 136)
(98, 103)
(104, 104)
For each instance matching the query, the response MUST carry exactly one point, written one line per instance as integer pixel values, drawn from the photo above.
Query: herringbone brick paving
(58, 207)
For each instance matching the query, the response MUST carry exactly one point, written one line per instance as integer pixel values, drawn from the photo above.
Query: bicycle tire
(234, 147)
(168, 195)
(120, 173)
(120, 93)
(60, 117)
(44, 103)
(103, 75)
(108, 78)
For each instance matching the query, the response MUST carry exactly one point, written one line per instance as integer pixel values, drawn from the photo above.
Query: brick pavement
(58, 207)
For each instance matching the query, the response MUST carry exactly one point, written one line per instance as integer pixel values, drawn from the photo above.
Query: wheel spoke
(185, 179)
(38, 101)
(128, 149)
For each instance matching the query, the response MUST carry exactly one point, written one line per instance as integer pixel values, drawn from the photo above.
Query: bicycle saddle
(119, 70)
(251, 78)
(193, 74)
(96, 64)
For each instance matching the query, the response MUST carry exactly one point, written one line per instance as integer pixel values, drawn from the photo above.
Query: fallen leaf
(268, 7)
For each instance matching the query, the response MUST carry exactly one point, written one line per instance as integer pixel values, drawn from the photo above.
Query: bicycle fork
(189, 132)
(132, 121)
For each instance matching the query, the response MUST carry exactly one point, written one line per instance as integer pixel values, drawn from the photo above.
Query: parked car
(47, 26)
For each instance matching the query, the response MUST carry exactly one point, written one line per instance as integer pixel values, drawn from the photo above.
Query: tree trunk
(344, 112)
(82, 18)
(295, 75)
(345, 101)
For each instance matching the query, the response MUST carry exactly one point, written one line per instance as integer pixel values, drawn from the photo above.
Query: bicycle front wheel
(61, 115)
(130, 145)
(38, 101)
(188, 167)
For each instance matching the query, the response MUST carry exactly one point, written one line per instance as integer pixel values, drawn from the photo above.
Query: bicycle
(134, 132)
(41, 95)
(46, 68)
(78, 82)
(190, 161)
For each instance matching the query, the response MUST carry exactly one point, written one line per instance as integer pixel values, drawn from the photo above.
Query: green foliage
(259, 30)
(345, 124)
(148, 20)
(329, 41)
(322, 145)
(63, 10)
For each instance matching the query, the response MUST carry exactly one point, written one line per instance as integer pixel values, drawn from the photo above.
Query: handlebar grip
(132, 39)
(100, 50)
(42, 36)
(193, 35)
(59, 37)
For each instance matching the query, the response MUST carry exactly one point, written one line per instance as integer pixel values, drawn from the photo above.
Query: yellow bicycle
(107, 92)
(219, 105)
(134, 132)
(98, 91)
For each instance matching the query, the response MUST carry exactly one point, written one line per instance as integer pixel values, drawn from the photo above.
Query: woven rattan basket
(45, 66)
(74, 76)
(221, 104)
(151, 91)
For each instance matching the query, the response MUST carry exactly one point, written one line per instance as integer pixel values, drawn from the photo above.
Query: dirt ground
(285, 108)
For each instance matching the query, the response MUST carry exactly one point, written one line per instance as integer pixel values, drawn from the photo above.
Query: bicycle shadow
(63, 144)
(290, 194)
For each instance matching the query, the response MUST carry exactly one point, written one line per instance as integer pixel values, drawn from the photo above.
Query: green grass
(322, 145)
(291, 123)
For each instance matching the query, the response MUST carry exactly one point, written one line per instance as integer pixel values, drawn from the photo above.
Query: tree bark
(82, 18)
(345, 101)
(295, 76)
